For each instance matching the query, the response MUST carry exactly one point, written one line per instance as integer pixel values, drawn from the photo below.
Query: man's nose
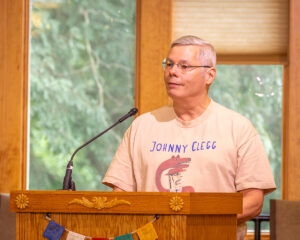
(174, 69)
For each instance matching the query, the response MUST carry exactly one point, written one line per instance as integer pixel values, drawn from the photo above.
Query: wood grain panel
(13, 94)
(188, 223)
(153, 38)
(33, 225)
(208, 225)
(292, 114)
(209, 203)
(178, 223)
(116, 225)
(140, 203)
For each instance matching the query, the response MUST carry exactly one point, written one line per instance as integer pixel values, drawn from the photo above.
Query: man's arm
(252, 204)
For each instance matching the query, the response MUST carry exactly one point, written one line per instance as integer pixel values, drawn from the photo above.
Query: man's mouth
(174, 84)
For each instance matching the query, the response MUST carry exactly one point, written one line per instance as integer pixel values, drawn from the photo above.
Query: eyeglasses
(167, 65)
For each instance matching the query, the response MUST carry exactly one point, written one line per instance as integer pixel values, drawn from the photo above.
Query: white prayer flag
(75, 236)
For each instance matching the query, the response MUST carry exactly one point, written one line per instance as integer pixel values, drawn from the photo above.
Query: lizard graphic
(176, 166)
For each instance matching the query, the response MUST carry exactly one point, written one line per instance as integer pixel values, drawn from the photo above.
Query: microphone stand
(68, 184)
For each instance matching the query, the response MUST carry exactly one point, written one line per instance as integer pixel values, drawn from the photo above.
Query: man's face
(191, 83)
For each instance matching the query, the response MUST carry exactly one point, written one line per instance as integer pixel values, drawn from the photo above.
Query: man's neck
(190, 109)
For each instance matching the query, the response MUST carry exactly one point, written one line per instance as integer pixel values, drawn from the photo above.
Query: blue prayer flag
(53, 231)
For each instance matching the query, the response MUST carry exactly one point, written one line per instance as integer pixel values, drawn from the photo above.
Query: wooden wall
(153, 39)
(154, 33)
(291, 114)
(13, 94)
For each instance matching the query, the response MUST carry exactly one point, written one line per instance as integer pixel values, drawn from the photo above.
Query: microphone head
(133, 111)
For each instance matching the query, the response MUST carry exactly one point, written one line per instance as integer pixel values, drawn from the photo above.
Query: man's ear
(211, 75)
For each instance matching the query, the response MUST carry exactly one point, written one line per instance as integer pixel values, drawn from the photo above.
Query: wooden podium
(109, 214)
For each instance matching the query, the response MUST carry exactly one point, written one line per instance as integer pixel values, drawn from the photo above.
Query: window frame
(14, 85)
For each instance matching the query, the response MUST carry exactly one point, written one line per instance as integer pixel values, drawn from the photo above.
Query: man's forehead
(184, 52)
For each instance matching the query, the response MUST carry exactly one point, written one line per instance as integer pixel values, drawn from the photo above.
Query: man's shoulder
(238, 125)
(232, 118)
(228, 113)
(162, 114)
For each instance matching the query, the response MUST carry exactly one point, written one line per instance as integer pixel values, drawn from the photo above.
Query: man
(195, 145)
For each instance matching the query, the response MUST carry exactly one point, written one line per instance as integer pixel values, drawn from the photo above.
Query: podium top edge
(186, 194)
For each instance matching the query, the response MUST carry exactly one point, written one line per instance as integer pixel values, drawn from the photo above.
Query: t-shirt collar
(196, 121)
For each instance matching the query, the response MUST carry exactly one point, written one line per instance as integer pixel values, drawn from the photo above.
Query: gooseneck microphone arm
(68, 184)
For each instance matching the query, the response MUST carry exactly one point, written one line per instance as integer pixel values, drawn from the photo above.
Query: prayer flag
(75, 236)
(147, 232)
(53, 231)
(124, 237)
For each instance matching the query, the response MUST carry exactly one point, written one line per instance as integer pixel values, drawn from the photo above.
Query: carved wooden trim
(99, 202)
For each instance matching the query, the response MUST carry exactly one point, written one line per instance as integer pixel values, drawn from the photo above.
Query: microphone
(132, 112)
(68, 184)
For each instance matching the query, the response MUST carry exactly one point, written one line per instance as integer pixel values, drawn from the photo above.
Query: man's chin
(175, 95)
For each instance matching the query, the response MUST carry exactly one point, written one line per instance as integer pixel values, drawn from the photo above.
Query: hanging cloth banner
(53, 231)
(124, 237)
(100, 238)
(147, 232)
(75, 236)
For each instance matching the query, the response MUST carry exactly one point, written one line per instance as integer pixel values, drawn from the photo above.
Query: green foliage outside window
(81, 81)
(255, 91)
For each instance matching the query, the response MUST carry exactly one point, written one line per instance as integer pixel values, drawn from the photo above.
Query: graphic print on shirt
(173, 169)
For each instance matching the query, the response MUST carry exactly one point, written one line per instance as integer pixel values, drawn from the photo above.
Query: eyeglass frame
(183, 67)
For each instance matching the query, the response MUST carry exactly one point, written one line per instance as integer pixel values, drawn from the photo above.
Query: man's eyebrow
(181, 61)
(184, 61)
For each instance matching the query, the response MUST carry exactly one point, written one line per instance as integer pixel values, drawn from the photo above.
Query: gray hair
(207, 51)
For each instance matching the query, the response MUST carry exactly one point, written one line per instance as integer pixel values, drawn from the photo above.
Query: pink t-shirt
(219, 151)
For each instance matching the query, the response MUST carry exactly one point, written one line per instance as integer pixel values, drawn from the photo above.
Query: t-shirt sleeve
(254, 170)
(120, 171)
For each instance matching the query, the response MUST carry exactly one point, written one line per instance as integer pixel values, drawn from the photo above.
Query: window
(255, 91)
(81, 82)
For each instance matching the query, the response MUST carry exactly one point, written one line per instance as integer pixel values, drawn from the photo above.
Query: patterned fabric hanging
(53, 231)
(124, 237)
(100, 238)
(75, 236)
(147, 232)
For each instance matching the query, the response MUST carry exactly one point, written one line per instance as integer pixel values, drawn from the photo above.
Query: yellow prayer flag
(147, 232)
